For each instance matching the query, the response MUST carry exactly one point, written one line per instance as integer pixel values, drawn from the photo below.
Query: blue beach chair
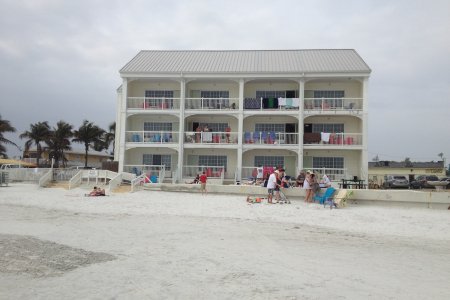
(327, 195)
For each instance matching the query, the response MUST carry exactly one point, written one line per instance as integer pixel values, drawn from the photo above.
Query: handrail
(46, 178)
(138, 181)
(75, 180)
(115, 182)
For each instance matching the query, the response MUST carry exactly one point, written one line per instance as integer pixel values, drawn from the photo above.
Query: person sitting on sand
(97, 191)
(93, 192)
(101, 192)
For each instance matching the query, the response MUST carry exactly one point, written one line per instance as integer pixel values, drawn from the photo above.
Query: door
(290, 130)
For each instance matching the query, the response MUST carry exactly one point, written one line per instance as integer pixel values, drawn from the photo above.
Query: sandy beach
(58, 244)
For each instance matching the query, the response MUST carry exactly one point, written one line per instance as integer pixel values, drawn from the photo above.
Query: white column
(123, 124)
(181, 130)
(118, 124)
(240, 130)
(301, 94)
(365, 132)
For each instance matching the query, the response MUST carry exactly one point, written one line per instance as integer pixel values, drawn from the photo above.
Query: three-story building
(228, 112)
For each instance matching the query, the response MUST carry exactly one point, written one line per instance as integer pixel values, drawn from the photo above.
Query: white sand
(58, 244)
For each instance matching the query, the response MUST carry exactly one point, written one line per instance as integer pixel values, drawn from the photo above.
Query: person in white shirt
(271, 184)
(325, 182)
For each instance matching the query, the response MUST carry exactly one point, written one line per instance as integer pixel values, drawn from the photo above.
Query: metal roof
(247, 61)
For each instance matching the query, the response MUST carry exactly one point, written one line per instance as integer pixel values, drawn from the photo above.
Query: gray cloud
(60, 59)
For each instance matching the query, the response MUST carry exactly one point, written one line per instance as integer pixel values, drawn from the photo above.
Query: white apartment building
(300, 109)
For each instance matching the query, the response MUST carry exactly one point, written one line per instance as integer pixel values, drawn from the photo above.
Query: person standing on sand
(271, 184)
(203, 180)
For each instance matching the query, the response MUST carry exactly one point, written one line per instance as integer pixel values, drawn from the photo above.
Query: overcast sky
(61, 59)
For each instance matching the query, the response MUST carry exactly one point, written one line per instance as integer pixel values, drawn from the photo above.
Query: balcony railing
(211, 104)
(270, 137)
(334, 174)
(209, 137)
(271, 103)
(315, 104)
(153, 103)
(345, 104)
(332, 139)
(154, 173)
(151, 137)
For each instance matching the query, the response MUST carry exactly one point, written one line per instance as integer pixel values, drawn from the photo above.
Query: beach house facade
(228, 112)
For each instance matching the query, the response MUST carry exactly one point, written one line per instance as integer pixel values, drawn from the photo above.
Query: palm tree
(89, 135)
(110, 137)
(60, 141)
(5, 126)
(39, 132)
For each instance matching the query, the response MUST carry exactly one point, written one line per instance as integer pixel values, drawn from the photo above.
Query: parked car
(395, 181)
(421, 182)
(448, 180)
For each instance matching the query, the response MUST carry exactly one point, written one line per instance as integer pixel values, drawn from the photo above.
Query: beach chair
(340, 199)
(325, 196)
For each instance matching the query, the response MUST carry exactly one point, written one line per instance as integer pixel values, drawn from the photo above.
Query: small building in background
(378, 170)
(74, 158)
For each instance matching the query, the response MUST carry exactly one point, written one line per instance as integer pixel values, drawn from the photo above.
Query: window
(155, 94)
(270, 127)
(270, 94)
(152, 126)
(328, 162)
(269, 161)
(328, 128)
(215, 127)
(213, 98)
(157, 159)
(333, 96)
(213, 160)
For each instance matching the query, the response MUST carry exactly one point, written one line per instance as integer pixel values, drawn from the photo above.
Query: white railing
(156, 173)
(138, 182)
(333, 139)
(151, 137)
(264, 137)
(271, 103)
(345, 104)
(46, 178)
(209, 137)
(76, 179)
(27, 174)
(334, 174)
(153, 103)
(115, 182)
(211, 103)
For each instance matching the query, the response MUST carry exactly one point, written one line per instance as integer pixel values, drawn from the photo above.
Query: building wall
(137, 88)
(352, 89)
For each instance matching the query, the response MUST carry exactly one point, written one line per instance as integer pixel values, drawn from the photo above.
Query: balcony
(151, 137)
(333, 104)
(266, 137)
(332, 139)
(152, 103)
(201, 137)
(212, 104)
(271, 103)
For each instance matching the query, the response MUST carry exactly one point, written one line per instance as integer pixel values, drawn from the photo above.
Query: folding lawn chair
(339, 200)
(325, 196)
